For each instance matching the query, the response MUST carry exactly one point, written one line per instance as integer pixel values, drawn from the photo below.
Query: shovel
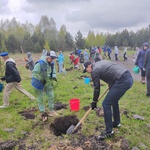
(72, 128)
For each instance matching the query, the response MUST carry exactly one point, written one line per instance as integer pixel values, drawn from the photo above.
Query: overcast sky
(84, 15)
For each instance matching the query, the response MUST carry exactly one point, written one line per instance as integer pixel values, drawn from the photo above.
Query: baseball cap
(4, 54)
(52, 54)
(86, 65)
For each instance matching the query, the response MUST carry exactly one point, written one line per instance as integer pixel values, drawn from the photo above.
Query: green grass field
(133, 102)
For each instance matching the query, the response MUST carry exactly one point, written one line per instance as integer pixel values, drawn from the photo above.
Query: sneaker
(148, 95)
(116, 125)
(105, 135)
(4, 106)
(44, 117)
(52, 113)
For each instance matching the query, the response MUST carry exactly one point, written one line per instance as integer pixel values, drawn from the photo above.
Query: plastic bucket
(74, 104)
(136, 70)
(86, 80)
(1, 87)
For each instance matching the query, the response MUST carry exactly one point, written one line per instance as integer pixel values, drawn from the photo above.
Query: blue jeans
(110, 103)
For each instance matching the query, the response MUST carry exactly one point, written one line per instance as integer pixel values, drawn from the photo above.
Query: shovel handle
(88, 111)
(82, 119)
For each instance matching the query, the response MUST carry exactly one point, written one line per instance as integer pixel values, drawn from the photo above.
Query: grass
(133, 102)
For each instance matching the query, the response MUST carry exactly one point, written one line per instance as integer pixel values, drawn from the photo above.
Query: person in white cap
(43, 75)
(12, 78)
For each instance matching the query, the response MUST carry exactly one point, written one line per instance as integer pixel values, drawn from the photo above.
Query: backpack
(43, 67)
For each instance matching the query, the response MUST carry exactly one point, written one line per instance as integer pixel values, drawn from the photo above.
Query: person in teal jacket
(61, 62)
(43, 75)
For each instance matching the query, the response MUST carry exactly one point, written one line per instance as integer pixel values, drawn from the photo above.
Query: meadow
(34, 134)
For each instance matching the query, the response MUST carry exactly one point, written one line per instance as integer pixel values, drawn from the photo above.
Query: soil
(60, 125)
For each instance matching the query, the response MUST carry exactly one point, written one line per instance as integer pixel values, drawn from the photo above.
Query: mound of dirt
(61, 124)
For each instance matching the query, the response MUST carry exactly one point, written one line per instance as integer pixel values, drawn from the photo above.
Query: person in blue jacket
(140, 61)
(109, 52)
(60, 61)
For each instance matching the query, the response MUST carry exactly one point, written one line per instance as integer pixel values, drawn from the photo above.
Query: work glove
(55, 79)
(144, 69)
(93, 105)
(44, 81)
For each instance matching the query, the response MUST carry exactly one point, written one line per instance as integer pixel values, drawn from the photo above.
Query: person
(140, 61)
(75, 60)
(147, 69)
(124, 54)
(81, 60)
(108, 52)
(43, 75)
(119, 80)
(12, 78)
(116, 53)
(104, 51)
(137, 50)
(60, 61)
(97, 56)
(29, 61)
(85, 55)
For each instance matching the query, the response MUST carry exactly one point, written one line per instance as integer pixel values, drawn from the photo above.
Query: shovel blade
(70, 129)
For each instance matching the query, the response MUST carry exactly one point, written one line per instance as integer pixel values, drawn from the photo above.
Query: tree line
(14, 34)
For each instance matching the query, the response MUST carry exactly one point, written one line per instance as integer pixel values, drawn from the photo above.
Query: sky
(107, 16)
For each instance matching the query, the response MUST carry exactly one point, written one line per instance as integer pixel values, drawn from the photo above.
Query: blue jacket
(140, 58)
(60, 58)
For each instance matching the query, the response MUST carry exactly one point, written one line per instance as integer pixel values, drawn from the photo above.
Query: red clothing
(74, 59)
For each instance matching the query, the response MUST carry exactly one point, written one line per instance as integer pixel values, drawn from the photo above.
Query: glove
(93, 105)
(54, 79)
(44, 81)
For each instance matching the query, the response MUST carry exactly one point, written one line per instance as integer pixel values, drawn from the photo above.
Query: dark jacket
(108, 72)
(140, 58)
(11, 72)
(147, 60)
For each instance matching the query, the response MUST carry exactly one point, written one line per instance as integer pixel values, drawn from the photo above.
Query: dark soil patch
(61, 124)
(83, 143)
(28, 113)
(86, 108)
(69, 69)
(8, 145)
(59, 106)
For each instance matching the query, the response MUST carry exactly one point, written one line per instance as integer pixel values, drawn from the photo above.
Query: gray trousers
(9, 87)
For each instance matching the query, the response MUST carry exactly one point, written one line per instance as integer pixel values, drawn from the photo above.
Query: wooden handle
(89, 111)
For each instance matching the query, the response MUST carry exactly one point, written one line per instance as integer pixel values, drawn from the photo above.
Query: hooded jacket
(107, 71)
(30, 61)
(43, 71)
(11, 72)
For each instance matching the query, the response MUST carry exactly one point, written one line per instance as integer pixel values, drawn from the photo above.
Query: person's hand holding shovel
(93, 105)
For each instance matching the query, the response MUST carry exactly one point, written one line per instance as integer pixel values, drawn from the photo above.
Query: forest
(33, 38)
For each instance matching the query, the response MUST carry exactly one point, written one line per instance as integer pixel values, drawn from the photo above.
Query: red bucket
(74, 104)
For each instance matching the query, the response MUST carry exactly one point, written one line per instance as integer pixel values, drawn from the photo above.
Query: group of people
(43, 75)
(118, 78)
